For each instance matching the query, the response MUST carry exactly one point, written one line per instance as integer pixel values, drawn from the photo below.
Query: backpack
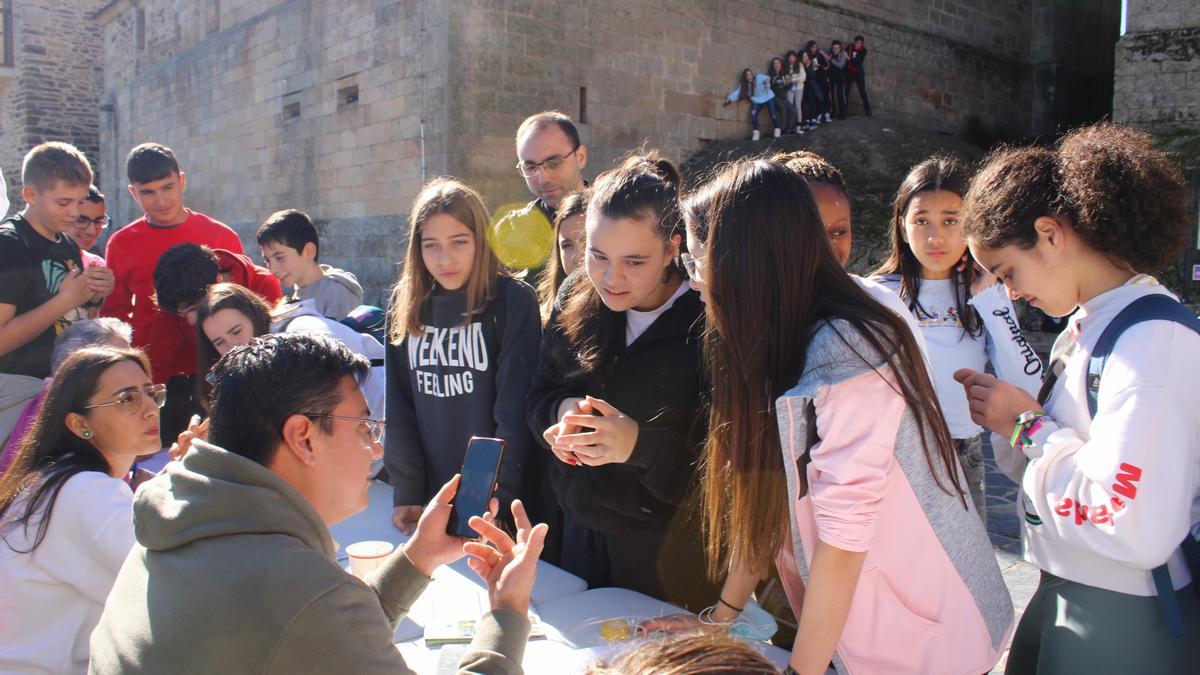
(1147, 308)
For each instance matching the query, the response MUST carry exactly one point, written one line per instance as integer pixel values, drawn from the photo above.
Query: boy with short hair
(42, 276)
(157, 185)
(290, 245)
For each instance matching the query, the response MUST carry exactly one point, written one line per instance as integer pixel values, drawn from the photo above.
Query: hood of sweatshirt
(343, 278)
(359, 343)
(215, 493)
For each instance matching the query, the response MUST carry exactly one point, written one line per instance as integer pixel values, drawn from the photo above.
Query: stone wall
(295, 104)
(1157, 84)
(253, 94)
(52, 90)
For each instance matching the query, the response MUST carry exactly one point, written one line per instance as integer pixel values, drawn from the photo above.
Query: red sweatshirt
(172, 342)
(132, 253)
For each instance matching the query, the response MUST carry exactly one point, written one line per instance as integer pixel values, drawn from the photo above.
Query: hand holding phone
(481, 465)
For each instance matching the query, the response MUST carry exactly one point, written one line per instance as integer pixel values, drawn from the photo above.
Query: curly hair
(183, 274)
(1121, 196)
(813, 168)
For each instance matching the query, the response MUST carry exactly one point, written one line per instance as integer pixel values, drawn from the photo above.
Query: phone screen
(479, 469)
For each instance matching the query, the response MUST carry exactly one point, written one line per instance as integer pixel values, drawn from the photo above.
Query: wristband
(739, 610)
(1025, 423)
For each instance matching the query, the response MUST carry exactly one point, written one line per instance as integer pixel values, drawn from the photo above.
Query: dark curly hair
(1122, 196)
(813, 168)
(183, 274)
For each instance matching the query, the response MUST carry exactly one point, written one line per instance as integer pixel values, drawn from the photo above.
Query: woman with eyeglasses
(619, 394)
(66, 511)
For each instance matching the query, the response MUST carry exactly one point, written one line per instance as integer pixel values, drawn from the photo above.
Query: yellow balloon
(521, 236)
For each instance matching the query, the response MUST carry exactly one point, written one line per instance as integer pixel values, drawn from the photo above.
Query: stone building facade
(343, 109)
(51, 89)
(1158, 66)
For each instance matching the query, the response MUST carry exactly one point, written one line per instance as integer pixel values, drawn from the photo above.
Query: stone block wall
(52, 90)
(285, 104)
(1157, 82)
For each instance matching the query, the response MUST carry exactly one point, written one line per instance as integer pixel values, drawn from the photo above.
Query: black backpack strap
(1155, 307)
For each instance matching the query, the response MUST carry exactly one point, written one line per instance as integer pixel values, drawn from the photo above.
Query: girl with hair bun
(1108, 455)
(618, 396)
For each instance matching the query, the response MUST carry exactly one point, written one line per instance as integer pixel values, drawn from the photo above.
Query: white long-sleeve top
(51, 598)
(1108, 499)
(950, 348)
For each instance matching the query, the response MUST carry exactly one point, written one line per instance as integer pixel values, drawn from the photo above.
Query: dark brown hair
(688, 654)
(51, 454)
(773, 280)
(813, 168)
(931, 175)
(644, 187)
(224, 296)
(1122, 196)
(553, 274)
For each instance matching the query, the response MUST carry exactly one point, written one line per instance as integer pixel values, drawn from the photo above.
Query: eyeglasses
(129, 401)
(83, 222)
(692, 265)
(529, 169)
(374, 427)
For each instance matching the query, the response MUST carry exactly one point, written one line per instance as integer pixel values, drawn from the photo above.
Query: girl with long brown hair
(462, 345)
(964, 315)
(568, 250)
(66, 520)
(827, 451)
(618, 397)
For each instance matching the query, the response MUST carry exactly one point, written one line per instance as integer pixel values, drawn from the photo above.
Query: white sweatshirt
(950, 349)
(1107, 500)
(888, 298)
(51, 599)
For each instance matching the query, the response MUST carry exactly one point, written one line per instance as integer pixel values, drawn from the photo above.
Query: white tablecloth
(570, 613)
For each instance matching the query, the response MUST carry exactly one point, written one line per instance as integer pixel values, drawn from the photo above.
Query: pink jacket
(931, 598)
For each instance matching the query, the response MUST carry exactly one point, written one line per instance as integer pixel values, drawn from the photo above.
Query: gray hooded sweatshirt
(335, 295)
(234, 572)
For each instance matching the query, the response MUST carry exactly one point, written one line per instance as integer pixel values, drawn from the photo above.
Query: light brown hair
(54, 162)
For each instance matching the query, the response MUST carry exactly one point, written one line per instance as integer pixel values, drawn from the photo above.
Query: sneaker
(754, 136)
(777, 132)
(827, 118)
(799, 131)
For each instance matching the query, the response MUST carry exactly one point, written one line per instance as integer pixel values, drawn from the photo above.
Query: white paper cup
(367, 555)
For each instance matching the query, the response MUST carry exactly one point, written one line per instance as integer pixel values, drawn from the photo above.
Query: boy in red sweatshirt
(157, 185)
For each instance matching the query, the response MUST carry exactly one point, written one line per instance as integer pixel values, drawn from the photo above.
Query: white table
(570, 613)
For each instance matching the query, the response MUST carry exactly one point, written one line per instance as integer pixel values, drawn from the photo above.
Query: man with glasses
(91, 223)
(551, 158)
(234, 569)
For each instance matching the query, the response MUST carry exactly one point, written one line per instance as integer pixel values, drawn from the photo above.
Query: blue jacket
(760, 94)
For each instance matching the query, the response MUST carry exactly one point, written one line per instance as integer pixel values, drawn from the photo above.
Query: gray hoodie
(234, 572)
(335, 295)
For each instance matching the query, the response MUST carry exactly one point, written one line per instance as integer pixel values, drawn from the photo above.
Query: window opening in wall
(583, 117)
(347, 96)
(6, 48)
(140, 19)
(291, 111)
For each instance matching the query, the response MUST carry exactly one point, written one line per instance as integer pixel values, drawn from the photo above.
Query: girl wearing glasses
(65, 511)
(232, 315)
(462, 346)
(618, 396)
(827, 452)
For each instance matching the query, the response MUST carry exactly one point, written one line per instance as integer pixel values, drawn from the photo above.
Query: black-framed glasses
(692, 265)
(529, 169)
(374, 427)
(99, 223)
(129, 401)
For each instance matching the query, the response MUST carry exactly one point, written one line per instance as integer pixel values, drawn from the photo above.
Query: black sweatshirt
(453, 382)
(659, 382)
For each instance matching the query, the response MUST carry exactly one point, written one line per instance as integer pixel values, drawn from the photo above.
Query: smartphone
(479, 470)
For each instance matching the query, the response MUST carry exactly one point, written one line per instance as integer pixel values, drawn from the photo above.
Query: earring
(87, 434)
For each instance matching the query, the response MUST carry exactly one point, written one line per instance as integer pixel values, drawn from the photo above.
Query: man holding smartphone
(233, 542)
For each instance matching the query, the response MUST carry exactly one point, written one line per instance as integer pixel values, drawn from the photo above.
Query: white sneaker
(827, 118)
(776, 132)
(799, 130)
(754, 136)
